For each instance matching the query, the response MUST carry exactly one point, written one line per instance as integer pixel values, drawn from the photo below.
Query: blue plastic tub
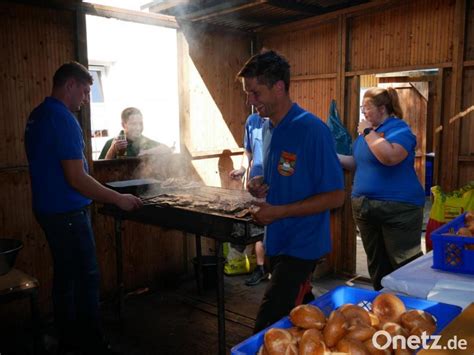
(451, 253)
(335, 298)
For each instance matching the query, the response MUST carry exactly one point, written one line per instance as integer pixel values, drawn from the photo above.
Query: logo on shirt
(286, 164)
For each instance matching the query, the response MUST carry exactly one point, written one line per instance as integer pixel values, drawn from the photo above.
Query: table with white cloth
(419, 279)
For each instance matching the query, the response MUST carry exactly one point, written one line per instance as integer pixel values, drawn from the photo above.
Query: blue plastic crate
(451, 253)
(335, 298)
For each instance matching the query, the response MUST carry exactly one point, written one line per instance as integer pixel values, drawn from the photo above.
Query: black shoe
(257, 276)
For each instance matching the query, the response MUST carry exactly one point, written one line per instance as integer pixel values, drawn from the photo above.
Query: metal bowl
(9, 248)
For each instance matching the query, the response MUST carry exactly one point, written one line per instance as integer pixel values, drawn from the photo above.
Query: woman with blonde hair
(387, 198)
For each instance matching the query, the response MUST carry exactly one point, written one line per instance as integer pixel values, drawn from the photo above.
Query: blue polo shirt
(53, 134)
(301, 162)
(253, 143)
(388, 183)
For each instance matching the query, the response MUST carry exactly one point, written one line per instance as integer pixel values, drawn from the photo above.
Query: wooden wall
(212, 103)
(330, 53)
(34, 41)
(312, 54)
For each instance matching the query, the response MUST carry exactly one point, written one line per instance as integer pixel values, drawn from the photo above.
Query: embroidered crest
(286, 164)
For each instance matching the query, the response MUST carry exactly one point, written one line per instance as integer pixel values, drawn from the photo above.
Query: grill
(201, 210)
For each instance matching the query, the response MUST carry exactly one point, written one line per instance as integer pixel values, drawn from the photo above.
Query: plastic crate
(335, 298)
(451, 253)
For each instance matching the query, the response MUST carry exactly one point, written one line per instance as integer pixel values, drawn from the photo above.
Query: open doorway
(417, 91)
(133, 65)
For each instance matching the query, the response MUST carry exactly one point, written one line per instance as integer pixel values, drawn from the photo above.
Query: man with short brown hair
(62, 191)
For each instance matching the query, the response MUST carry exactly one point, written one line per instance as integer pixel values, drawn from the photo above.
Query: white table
(418, 279)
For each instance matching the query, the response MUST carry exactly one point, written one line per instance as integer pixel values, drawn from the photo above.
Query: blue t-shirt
(53, 134)
(253, 143)
(388, 183)
(301, 162)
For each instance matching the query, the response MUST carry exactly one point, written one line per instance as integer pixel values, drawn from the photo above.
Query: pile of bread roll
(349, 329)
(468, 230)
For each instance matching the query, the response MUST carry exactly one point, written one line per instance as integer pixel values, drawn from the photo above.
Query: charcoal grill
(199, 221)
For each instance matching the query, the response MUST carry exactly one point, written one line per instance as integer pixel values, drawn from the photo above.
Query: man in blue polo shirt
(62, 190)
(302, 181)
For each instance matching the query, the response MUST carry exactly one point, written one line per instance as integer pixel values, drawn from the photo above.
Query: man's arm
(85, 184)
(267, 213)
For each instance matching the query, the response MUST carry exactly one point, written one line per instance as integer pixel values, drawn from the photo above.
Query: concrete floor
(177, 320)
(171, 321)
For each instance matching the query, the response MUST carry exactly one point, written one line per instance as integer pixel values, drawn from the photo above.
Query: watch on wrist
(367, 130)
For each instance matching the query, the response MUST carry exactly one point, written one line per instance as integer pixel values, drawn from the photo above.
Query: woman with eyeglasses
(387, 198)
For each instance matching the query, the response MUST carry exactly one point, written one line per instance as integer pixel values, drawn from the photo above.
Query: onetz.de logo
(383, 340)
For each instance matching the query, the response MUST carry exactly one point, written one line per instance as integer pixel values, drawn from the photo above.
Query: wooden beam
(454, 130)
(106, 11)
(161, 5)
(467, 158)
(399, 69)
(183, 91)
(223, 8)
(313, 77)
(129, 15)
(84, 115)
(469, 63)
(216, 153)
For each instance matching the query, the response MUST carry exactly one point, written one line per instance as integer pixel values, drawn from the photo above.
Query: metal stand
(119, 263)
(220, 297)
(199, 278)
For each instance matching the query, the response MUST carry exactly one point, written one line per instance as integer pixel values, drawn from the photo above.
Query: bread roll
(296, 333)
(307, 316)
(373, 350)
(469, 217)
(336, 328)
(418, 319)
(355, 314)
(262, 350)
(388, 307)
(395, 329)
(312, 343)
(277, 341)
(465, 232)
(360, 332)
(351, 346)
(374, 320)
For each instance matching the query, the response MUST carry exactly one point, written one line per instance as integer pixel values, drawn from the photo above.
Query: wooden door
(414, 102)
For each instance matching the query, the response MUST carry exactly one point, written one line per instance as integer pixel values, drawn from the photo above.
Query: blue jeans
(76, 272)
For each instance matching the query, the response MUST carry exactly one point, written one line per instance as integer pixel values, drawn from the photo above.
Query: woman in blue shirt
(387, 198)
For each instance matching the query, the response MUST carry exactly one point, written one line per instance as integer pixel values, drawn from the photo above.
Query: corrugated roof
(246, 15)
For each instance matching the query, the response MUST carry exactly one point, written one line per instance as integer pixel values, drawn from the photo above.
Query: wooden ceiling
(246, 15)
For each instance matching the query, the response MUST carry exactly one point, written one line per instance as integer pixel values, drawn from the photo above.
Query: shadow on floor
(174, 321)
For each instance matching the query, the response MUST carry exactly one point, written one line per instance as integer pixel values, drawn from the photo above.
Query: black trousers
(290, 285)
(390, 232)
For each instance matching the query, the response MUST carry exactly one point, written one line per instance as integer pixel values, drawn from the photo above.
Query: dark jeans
(76, 274)
(390, 232)
(289, 286)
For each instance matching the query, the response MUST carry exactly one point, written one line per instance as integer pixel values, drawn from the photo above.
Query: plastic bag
(447, 206)
(340, 133)
(238, 262)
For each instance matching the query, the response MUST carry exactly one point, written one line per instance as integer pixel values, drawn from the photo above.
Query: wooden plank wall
(380, 37)
(312, 54)
(213, 108)
(34, 41)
